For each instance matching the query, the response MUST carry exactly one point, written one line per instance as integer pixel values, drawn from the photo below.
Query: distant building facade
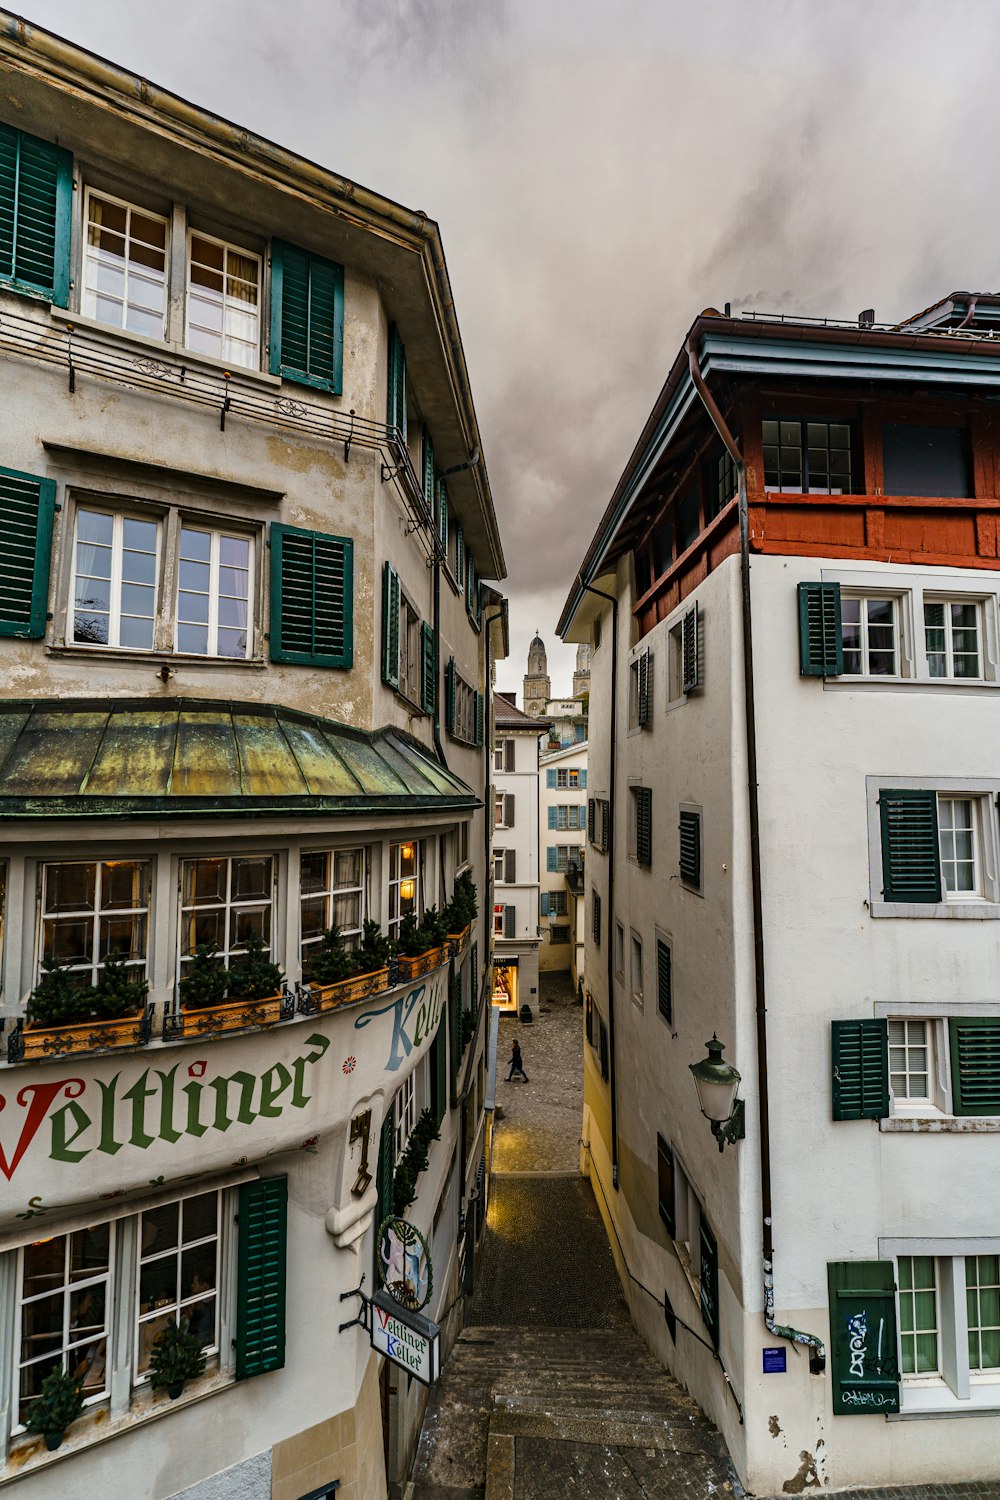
(516, 934)
(563, 836)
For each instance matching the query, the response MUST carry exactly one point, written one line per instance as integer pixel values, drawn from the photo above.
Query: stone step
(618, 1402)
(611, 1429)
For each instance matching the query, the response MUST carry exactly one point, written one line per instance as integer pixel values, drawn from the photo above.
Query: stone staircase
(554, 1413)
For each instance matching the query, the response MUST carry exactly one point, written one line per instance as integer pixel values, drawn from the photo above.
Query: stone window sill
(144, 344)
(941, 1124)
(158, 658)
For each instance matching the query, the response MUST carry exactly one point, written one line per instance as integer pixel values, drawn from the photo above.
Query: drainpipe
(611, 878)
(971, 311)
(436, 625)
(817, 1357)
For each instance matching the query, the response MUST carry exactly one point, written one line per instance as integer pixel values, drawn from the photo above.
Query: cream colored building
(245, 657)
(562, 836)
(516, 932)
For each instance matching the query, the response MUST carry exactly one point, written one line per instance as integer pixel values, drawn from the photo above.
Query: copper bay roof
(195, 757)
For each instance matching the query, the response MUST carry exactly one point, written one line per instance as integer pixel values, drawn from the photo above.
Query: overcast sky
(603, 171)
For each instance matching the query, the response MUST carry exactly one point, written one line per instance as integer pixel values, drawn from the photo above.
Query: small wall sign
(405, 1338)
(775, 1361)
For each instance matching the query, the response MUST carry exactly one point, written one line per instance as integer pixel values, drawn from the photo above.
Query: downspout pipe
(817, 1356)
(436, 625)
(587, 588)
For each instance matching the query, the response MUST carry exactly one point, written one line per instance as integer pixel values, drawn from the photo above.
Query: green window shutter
(36, 195)
(386, 1171)
(312, 597)
(553, 817)
(427, 448)
(911, 860)
(644, 825)
(510, 921)
(390, 625)
(860, 1069)
(439, 1072)
(480, 717)
(821, 643)
(604, 1051)
(665, 1185)
(543, 904)
(643, 697)
(690, 848)
(975, 1065)
(27, 507)
(450, 689)
(459, 554)
(456, 1022)
(442, 513)
(307, 318)
(396, 416)
(690, 654)
(260, 1276)
(470, 580)
(664, 981)
(709, 1279)
(474, 973)
(595, 917)
(429, 668)
(863, 1360)
(591, 817)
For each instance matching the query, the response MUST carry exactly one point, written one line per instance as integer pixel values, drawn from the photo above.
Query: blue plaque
(774, 1361)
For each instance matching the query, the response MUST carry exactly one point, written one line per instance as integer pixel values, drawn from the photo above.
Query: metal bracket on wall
(349, 440)
(361, 1320)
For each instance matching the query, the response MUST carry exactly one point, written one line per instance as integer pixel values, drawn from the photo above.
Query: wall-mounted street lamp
(717, 1082)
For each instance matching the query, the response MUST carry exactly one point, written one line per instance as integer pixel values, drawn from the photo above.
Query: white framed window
(498, 921)
(114, 579)
(90, 909)
(223, 301)
(214, 592)
(948, 1304)
(224, 902)
(952, 637)
(619, 951)
(870, 634)
(637, 986)
(499, 865)
(177, 1277)
(567, 777)
(918, 1315)
(912, 1060)
(404, 1113)
(125, 265)
(410, 665)
(333, 889)
(463, 844)
(465, 712)
(405, 895)
(503, 755)
(959, 839)
(982, 1285)
(65, 1298)
(499, 810)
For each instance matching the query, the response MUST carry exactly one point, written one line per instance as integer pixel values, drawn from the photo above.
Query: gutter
(588, 588)
(817, 1357)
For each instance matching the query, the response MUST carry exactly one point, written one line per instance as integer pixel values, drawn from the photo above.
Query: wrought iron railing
(41, 1043)
(229, 1016)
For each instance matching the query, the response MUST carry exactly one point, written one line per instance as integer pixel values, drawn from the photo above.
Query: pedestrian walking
(516, 1065)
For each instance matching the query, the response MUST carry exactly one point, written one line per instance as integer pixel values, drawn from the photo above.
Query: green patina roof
(196, 757)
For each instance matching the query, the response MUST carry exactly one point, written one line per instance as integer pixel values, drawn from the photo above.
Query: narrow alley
(550, 1392)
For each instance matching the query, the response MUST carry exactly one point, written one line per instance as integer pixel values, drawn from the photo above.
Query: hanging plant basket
(320, 997)
(233, 1015)
(31, 1042)
(423, 963)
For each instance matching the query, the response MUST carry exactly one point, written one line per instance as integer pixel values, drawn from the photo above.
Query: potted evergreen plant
(339, 975)
(176, 1357)
(66, 1014)
(415, 954)
(59, 1405)
(462, 909)
(214, 998)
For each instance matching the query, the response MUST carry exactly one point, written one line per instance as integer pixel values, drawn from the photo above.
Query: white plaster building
(794, 638)
(515, 856)
(245, 652)
(562, 833)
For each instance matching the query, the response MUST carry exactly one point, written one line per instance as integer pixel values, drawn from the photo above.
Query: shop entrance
(505, 989)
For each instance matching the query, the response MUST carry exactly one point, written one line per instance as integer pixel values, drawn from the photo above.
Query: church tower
(537, 683)
(581, 677)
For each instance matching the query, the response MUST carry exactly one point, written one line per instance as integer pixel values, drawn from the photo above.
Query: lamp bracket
(733, 1129)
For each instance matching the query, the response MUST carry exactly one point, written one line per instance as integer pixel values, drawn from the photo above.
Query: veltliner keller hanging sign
(406, 1338)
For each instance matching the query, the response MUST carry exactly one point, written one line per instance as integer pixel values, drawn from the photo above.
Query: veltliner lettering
(151, 1109)
(427, 1013)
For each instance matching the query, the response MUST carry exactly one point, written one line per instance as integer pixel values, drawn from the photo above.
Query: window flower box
(458, 940)
(321, 997)
(232, 1015)
(28, 1043)
(421, 964)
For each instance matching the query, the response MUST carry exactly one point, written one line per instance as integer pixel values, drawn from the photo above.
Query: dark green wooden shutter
(604, 1052)
(307, 318)
(975, 1065)
(390, 625)
(450, 690)
(911, 860)
(642, 696)
(591, 818)
(863, 1360)
(860, 1069)
(27, 506)
(439, 1072)
(709, 1279)
(456, 1021)
(396, 416)
(595, 916)
(474, 977)
(470, 580)
(644, 825)
(427, 448)
(605, 825)
(386, 1171)
(260, 1276)
(510, 921)
(821, 642)
(665, 1185)
(690, 847)
(690, 654)
(429, 668)
(459, 554)
(479, 709)
(664, 980)
(312, 597)
(442, 514)
(36, 195)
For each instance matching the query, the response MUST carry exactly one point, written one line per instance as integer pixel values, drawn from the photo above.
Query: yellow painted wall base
(347, 1447)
